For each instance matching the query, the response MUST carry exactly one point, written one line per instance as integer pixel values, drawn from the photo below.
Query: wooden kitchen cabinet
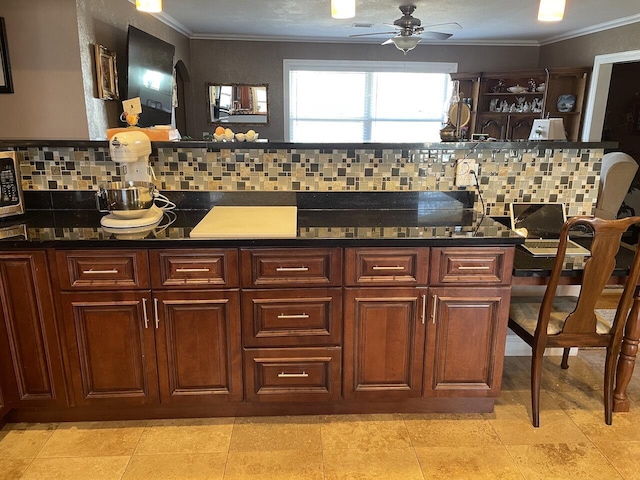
(110, 338)
(198, 346)
(384, 343)
(30, 366)
(466, 334)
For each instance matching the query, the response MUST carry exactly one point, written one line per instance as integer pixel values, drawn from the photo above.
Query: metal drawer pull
(474, 268)
(424, 308)
(155, 311)
(292, 269)
(144, 313)
(296, 315)
(293, 375)
(435, 307)
(191, 270)
(397, 267)
(91, 271)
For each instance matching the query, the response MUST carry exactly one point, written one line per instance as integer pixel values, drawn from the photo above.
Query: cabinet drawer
(292, 317)
(484, 265)
(292, 374)
(292, 267)
(193, 268)
(388, 266)
(102, 269)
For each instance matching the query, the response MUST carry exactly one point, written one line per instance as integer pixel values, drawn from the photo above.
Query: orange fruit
(219, 131)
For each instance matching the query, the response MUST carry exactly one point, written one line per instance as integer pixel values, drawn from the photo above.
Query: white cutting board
(248, 222)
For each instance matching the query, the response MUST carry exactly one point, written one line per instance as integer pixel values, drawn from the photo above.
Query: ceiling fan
(409, 30)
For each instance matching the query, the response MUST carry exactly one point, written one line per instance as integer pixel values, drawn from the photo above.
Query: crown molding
(601, 27)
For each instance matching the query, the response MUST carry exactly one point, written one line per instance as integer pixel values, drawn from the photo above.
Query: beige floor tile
(511, 420)
(93, 439)
(177, 466)
(278, 465)
(13, 468)
(364, 432)
(624, 457)
(355, 464)
(93, 468)
(450, 430)
(472, 463)
(24, 440)
(198, 435)
(562, 461)
(276, 433)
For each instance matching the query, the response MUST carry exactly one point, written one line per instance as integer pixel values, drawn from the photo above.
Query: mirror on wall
(238, 103)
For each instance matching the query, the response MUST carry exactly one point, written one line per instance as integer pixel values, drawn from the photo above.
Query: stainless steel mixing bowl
(126, 199)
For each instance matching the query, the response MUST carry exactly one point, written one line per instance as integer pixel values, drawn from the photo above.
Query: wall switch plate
(132, 106)
(464, 177)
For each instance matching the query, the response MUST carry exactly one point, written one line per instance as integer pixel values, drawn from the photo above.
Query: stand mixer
(131, 203)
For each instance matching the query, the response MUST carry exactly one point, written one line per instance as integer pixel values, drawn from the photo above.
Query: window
(350, 101)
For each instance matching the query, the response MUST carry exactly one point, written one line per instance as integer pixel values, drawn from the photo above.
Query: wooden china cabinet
(508, 115)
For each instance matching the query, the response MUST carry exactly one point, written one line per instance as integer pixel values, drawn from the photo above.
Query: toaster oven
(11, 199)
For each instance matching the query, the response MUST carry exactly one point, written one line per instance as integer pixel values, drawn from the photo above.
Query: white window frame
(354, 66)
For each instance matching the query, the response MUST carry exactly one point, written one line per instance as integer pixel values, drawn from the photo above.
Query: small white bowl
(540, 88)
(218, 138)
(241, 137)
(255, 137)
(516, 89)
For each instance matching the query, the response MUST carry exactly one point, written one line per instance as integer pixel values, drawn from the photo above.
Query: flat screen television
(150, 76)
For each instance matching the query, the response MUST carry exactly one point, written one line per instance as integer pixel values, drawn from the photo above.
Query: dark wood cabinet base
(425, 405)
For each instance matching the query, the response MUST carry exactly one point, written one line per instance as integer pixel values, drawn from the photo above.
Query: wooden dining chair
(565, 322)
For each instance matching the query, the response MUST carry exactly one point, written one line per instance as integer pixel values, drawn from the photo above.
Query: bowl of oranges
(222, 134)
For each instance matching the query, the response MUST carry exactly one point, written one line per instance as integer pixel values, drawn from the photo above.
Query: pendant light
(343, 8)
(151, 6)
(551, 10)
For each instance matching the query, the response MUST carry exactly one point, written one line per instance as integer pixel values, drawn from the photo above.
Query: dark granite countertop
(81, 228)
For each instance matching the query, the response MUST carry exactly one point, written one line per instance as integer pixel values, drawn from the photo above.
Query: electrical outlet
(132, 106)
(464, 177)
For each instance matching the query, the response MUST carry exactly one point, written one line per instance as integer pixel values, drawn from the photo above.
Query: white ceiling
(487, 22)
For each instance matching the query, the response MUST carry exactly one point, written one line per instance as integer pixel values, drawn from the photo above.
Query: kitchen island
(390, 301)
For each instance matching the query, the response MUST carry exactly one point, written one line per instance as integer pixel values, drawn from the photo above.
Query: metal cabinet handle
(295, 315)
(92, 271)
(144, 313)
(293, 375)
(474, 268)
(424, 308)
(292, 269)
(191, 270)
(435, 307)
(155, 311)
(383, 267)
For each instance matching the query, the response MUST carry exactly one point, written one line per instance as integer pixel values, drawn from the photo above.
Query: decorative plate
(566, 103)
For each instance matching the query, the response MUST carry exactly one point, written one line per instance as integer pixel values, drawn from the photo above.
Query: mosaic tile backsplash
(503, 175)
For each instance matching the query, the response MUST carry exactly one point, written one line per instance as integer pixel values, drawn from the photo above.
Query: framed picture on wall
(106, 73)
(6, 84)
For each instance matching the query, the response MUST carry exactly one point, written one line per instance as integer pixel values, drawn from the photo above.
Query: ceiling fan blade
(435, 35)
(392, 25)
(445, 26)
(377, 33)
(387, 42)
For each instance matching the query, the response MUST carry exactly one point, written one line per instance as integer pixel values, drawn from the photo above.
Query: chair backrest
(616, 175)
(607, 236)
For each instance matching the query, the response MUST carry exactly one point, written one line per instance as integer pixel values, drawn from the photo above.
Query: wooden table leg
(627, 359)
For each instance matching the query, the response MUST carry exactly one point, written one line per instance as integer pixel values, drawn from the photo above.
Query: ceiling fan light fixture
(551, 10)
(343, 8)
(150, 6)
(406, 43)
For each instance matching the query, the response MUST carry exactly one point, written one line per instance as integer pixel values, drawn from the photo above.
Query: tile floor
(573, 441)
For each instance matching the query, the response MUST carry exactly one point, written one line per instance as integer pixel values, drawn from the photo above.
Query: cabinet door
(31, 362)
(111, 348)
(466, 337)
(383, 343)
(198, 345)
